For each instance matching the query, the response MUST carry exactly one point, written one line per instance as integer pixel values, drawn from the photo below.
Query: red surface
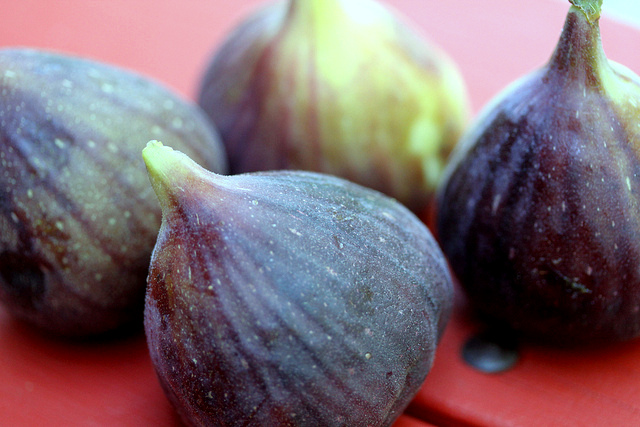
(46, 382)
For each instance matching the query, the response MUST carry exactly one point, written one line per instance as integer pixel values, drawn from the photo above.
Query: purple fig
(538, 213)
(289, 297)
(78, 218)
(344, 87)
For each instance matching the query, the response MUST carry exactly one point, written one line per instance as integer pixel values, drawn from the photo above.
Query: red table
(47, 382)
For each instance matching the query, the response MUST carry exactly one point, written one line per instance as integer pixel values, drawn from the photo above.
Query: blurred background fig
(78, 218)
(289, 297)
(344, 87)
(539, 209)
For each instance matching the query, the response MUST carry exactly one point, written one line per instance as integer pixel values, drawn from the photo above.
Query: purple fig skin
(538, 214)
(78, 218)
(289, 298)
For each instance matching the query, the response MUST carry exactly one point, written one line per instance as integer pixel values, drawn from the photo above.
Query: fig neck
(315, 13)
(579, 56)
(173, 175)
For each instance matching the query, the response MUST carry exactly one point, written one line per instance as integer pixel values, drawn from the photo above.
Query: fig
(538, 212)
(344, 87)
(288, 297)
(78, 218)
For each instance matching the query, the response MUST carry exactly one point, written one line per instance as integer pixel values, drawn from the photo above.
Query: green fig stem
(321, 13)
(591, 8)
(170, 173)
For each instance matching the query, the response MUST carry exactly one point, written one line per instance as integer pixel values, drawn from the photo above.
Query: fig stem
(323, 11)
(591, 8)
(168, 170)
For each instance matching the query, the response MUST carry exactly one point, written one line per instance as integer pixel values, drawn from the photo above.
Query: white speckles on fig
(538, 212)
(78, 216)
(283, 292)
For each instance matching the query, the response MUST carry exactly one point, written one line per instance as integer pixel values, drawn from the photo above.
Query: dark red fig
(78, 218)
(539, 213)
(289, 298)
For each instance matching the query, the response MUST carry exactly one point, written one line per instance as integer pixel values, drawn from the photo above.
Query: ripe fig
(539, 209)
(289, 297)
(344, 87)
(78, 218)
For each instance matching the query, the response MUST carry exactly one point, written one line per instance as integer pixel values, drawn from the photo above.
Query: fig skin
(78, 218)
(344, 87)
(289, 297)
(538, 211)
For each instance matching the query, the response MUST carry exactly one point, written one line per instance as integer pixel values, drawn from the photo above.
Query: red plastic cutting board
(48, 382)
